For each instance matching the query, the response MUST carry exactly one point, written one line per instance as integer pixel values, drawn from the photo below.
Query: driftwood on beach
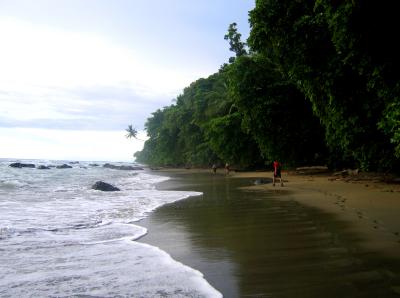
(348, 172)
(312, 170)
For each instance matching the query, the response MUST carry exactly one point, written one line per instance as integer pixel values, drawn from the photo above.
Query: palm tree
(132, 133)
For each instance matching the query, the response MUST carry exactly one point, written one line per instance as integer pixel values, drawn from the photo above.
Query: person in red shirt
(277, 172)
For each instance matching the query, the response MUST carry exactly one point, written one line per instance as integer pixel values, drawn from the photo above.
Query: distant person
(277, 172)
(214, 168)
(227, 168)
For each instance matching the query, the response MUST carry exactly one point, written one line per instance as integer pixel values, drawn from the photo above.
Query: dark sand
(266, 244)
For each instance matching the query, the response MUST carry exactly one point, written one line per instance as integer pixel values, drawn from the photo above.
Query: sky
(75, 73)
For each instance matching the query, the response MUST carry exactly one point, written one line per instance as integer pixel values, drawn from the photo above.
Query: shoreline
(316, 233)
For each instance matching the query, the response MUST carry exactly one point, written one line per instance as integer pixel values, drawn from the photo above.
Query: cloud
(93, 108)
(42, 56)
(68, 90)
(73, 80)
(68, 144)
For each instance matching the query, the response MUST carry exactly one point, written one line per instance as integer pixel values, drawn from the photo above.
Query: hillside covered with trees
(318, 82)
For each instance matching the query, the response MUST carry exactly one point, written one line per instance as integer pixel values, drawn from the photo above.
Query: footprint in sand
(378, 222)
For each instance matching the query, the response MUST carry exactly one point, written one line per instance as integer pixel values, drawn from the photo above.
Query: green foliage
(275, 113)
(235, 43)
(391, 124)
(131, 132)
(331, 52)
(226, 137)
(199, 129)
(320, 82)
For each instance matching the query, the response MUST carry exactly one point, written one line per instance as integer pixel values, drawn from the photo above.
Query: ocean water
(60, 238)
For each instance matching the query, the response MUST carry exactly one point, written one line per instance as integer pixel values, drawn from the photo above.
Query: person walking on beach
(227, 168)
(277, 172)
(214, 167)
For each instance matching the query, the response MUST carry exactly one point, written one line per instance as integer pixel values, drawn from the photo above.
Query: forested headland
(317, 82)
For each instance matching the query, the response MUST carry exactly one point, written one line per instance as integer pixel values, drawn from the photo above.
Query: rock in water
(64, 166)
(125, 168)
(22, 165)
(41, 167)
(100, 185)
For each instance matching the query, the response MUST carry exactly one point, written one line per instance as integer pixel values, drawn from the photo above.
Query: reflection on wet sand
(253, 244)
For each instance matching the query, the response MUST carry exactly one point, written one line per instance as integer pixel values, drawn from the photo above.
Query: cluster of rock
(66, 166)
(22, 165)
(40, 167)
(99, 185)
(103, 186)
(125, 168)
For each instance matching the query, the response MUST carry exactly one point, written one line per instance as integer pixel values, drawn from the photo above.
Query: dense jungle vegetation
(317, 82)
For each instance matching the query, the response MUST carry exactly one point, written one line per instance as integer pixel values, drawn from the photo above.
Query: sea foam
(60, 238)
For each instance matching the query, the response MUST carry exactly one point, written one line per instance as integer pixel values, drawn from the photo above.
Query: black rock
(125, 168)
(43, 168)
(64, 166)
(93, 165)
(22, 165)
(100, 185)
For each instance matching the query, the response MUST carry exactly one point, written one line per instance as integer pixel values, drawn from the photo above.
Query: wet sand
(264, 241)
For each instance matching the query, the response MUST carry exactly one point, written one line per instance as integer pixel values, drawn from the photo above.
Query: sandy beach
(370, 207)
(317, 236)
